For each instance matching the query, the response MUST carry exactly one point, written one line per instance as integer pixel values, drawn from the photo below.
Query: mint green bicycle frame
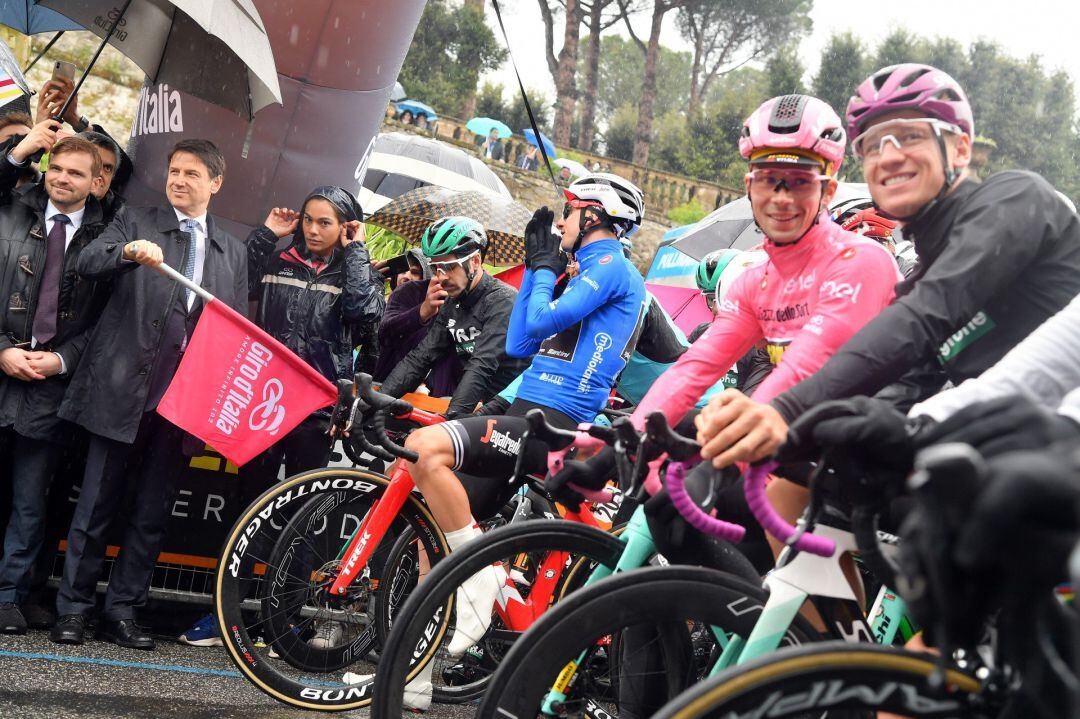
(789, 585)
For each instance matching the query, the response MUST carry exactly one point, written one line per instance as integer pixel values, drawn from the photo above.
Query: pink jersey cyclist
(820, 283)
(805, 301)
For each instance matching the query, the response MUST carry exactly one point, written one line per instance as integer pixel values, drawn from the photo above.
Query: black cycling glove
(1002, 425)
(592, 474)
(868, 431)
(542, 245)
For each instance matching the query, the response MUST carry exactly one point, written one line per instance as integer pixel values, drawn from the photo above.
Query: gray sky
(1043, 27)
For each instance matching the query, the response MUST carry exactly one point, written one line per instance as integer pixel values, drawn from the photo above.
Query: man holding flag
(128, 364)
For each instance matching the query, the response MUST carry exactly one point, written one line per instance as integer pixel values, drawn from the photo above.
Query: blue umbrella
(530, 137)
(29, 18)
(416, 107)
(484, 126)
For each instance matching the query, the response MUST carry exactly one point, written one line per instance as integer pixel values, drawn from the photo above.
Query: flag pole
(173, 274)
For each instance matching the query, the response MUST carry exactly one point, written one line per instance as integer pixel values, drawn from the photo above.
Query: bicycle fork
(358, 550)
(639, 547)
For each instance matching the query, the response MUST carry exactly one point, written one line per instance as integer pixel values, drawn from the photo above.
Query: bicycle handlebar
(679, 449)
(565, 440)
(381, 404)
(773, 523)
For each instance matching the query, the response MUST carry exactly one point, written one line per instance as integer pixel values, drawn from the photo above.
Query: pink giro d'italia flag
(238, 389)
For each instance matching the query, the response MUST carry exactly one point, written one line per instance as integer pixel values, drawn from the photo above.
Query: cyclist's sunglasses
(797, 182)
(577, 205)
(903, 133)
(445, 268)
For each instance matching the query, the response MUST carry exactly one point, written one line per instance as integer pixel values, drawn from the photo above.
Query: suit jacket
(30, 407)
(109, 392)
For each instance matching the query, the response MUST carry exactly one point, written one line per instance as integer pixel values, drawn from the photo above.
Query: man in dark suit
(45, 323)
(134, 352)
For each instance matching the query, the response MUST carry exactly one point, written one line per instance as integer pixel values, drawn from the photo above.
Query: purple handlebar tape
(698, 518)
(772, 522)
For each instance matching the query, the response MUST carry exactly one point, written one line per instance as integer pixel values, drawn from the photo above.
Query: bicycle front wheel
(522, 548)
(643, 609)
(831, 679)
(279, 624)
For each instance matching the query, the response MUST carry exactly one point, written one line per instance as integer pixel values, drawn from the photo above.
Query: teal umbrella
(484, 126)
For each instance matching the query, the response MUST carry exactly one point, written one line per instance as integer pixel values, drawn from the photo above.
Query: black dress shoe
(125, 633)
(69, 629)
(38, 616)
(11, 619)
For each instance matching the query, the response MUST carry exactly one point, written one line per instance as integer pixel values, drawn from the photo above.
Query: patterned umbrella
(505, 220)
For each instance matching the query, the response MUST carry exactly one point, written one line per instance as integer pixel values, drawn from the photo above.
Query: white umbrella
(217, 51)
(575, 167)
(401, 162)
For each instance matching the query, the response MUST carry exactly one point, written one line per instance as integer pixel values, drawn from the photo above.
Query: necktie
(188, 228)
(49, 293)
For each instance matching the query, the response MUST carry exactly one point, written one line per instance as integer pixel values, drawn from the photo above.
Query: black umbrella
(217, 51)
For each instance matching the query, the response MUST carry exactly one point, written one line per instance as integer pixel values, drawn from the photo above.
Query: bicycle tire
(237, 568)
(416, 616)
(655, 596)
(829, 677)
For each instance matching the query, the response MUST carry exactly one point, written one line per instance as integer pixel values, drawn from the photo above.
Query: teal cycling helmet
(457, 236)
(712, 266)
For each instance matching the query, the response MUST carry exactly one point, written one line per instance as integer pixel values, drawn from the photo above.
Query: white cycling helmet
(738, 265)
(622, 201)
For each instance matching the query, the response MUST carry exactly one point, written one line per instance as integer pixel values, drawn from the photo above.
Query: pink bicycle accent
(695, 515)
(556, 459)
(773, 523)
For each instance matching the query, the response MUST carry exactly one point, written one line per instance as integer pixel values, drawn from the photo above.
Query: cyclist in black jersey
(996, 259)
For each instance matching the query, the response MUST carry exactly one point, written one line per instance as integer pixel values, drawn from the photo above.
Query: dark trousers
(154, 462)
(32, 463)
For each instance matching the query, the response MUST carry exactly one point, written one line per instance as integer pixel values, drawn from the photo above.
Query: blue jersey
(581, 340)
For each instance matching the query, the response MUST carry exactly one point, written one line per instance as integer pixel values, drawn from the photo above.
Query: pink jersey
(805, 301)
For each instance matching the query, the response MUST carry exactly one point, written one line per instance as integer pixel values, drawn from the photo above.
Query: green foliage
(622, 65)
(785, 73)
(842, 68)
(383, 244)
(686, 213)
(451, 48)
(618, 137)
(491, 102)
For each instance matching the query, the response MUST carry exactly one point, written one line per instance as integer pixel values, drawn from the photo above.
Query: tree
(518, 119)
(727, 34)
(451, 48)
(619, 76)
(597, 22)
(564, 67)
(785, 73)
(843, 67)
(651, 50)
(899, 46)
(619, 134)
(489, 101)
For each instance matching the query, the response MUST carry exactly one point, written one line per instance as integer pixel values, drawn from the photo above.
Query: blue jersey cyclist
(581, 340)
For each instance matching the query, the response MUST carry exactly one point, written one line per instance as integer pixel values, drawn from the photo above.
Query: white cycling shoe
(417, 692)
(475, 600)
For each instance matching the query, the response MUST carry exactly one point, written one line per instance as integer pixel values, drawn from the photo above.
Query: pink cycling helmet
(910, 86)
(789, 128)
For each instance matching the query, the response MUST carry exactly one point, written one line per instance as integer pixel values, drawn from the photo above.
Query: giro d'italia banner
(238, 389)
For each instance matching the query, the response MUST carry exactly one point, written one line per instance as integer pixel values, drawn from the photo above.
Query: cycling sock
(417, 691)
(475, 597)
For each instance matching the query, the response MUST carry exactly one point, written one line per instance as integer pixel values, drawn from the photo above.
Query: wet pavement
(100, 680)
